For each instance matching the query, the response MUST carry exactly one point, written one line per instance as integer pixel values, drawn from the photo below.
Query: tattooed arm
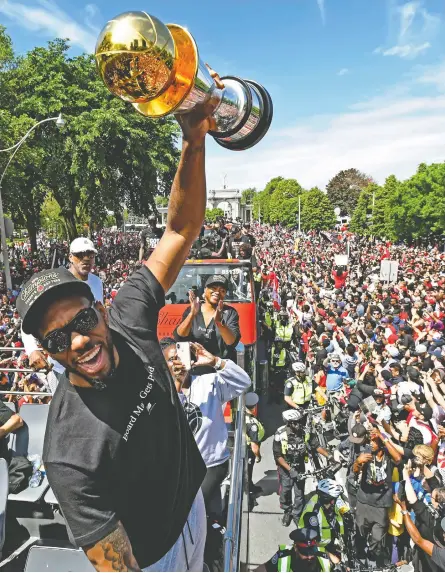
(113, 552)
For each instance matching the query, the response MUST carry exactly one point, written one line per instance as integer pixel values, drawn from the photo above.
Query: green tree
(161, 201)
(344, 189)
(247, 196)
(6, 50)
(362, 216)
(107, 156)
(418, 204)
(316, 211)
(261, 200)
(283, 206)
(212, 215)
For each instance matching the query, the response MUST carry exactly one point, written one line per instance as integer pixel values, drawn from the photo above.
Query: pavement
(265, 531)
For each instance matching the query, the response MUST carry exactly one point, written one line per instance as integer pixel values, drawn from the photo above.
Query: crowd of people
(361, 356)
(358, 363)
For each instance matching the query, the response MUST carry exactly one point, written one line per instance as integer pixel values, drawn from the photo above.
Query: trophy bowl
(156, 67)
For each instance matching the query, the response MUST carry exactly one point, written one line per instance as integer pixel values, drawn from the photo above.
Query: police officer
(279, 367)
(283, 329)
(327, 506)
(291, 446)
(302, 555)
(254, 437)
(298, 389)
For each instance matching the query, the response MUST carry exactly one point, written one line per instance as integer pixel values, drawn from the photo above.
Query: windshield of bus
(195, 276)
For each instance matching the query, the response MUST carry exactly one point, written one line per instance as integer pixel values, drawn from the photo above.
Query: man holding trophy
(119, 453)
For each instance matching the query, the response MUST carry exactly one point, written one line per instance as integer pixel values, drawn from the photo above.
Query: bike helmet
(298, 367)
(330, 488)
(290, 416)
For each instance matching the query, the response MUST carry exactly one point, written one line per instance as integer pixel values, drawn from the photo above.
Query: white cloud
(91, 12)
(343, 72)
(48, 19)
(384, 135)
(322, 8)
(416, 29)
(405, 51)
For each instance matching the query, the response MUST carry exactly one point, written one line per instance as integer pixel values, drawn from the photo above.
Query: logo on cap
(30, 293)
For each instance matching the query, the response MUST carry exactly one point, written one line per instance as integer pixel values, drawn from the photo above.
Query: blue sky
(355, 83)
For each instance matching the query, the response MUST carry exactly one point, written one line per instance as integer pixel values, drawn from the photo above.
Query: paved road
(265, 529)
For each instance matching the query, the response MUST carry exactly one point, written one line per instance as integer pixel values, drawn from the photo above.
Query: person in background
(203, 397)
(302, 555)
(82, 259)
(150, 237)
(211, 323)
(235, 241)
(254, 435)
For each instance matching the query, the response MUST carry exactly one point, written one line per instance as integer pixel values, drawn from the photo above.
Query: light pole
(60, 122)
(299, 213)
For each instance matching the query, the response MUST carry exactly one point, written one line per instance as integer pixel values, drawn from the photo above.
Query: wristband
(218, 364)
(404, 512)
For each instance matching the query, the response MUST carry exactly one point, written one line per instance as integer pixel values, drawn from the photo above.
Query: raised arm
(113, 552)
(187, 203)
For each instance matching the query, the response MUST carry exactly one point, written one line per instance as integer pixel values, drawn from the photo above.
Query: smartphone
(367, 449)
(184, 355)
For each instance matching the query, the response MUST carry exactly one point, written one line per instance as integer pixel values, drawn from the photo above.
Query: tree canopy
(344, 189)
(107, 156)
(317, 211)
(212, 215)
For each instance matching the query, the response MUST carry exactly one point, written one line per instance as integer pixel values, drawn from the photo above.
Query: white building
(229, 200)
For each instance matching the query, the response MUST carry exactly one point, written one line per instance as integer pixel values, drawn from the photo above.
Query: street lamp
(60, 122)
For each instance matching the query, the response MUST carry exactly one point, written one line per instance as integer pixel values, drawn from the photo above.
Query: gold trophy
(157, 68)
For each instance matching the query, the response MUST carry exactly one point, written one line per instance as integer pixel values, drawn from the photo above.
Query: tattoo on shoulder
(113, 552)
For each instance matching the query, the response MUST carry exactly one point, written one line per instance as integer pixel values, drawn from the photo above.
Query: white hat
(421, 348)
(82, 245)
(392, 350)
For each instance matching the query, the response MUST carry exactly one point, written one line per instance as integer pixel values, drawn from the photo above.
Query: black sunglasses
(60, 339)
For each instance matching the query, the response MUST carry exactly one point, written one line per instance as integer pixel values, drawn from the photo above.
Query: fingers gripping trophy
(157, 68)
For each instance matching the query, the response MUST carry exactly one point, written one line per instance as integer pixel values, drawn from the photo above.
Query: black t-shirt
(234, 245)
(210, 336)
(150, 237)
(376, 484)
(297, 564)
(5, 415)
(439, 557)
(126, 453)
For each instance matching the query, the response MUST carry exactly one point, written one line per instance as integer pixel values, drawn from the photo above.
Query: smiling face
(90, 354)
(214, 293)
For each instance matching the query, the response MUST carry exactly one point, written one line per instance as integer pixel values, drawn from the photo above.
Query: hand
(407, 468)
(37, 360)
(178, 368)
(441, 432)
(194, 303)
(198, 122)
(364, 459)
(203, 356)
(294, 474)
(218, 313)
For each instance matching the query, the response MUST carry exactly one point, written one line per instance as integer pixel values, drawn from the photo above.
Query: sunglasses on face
(59, 340)
(85, 255)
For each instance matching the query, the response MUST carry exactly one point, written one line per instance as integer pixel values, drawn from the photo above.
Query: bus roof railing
(232, 534)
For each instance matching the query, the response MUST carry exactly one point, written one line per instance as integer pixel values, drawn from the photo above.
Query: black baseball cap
(306, 538)
(358, 434)
(217, 280)
(45, 287)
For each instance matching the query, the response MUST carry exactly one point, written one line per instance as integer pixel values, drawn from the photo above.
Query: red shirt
(339, 280)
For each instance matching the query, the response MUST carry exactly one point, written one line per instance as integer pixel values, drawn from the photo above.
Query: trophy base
(237, 140)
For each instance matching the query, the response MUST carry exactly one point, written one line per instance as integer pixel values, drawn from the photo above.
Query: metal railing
(234, 512)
